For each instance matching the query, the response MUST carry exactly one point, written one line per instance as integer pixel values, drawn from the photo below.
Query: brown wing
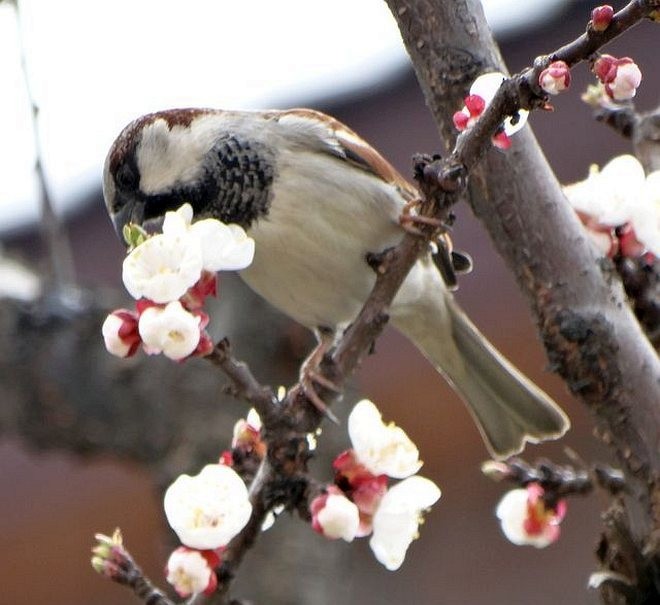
(357, 151)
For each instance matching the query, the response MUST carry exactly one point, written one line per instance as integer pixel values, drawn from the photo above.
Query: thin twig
(53, 231)
(112, 560)
(557, 481)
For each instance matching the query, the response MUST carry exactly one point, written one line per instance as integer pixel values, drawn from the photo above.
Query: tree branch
(62, 273)
(591, 337)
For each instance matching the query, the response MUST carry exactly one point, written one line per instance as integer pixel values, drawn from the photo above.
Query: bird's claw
(408, 220)
(310, 375)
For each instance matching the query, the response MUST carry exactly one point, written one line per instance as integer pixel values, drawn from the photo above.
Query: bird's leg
(407, 219)
(310, 375)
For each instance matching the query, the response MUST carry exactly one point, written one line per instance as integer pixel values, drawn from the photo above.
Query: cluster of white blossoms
(206, 511)
(620, 206)
(170, 274)
(360, 503)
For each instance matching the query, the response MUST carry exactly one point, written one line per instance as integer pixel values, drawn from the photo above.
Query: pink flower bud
(475, 105)
(226, 458)
(605, 68)
(501, 140)
(367, 496)
(621, 77)
(601, 17)
(555, 78)
(602, 236)
(207, 285)
(626, 82)
(334, 515)
(461, 120)
(349, 472)
(191, 571)
(120, 333)
(247, 435)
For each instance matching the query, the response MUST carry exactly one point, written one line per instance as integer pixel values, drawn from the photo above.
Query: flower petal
(171, 330)
(486, 86)
(162, 268)
(382, 449)
(207, 510)
(396, 522)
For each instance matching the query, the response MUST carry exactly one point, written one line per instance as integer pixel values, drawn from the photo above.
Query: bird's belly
(310, 250)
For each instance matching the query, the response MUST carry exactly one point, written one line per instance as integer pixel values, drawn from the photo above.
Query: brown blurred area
(52, 502)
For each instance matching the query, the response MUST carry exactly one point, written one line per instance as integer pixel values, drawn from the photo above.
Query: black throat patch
(234, 187)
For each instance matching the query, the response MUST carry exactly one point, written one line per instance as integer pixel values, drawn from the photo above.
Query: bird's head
(159, 162)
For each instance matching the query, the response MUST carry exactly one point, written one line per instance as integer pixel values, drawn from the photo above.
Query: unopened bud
(555, 78)
(601, 17)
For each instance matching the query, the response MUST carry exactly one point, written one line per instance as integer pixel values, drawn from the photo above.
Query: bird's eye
(126, 177)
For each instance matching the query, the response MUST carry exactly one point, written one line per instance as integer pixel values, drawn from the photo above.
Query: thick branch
(591, 337)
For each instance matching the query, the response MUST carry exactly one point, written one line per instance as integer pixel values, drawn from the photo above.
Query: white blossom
(381, 448)
(626, 82)
(224, 247)
(645, 217)
(611, 194)
(120, 333)
(207, 510)
(170, 330)
(163, 267)
(525, 520)
(396, 521)
(189, 572)
(486, 86)
(335, 516)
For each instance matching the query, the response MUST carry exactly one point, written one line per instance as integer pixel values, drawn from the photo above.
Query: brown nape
(128, 138)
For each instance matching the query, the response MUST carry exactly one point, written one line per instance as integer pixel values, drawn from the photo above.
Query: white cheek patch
(167, 157)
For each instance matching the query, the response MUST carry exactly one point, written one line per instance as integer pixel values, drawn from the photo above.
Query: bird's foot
(310, 375)
(408, 220)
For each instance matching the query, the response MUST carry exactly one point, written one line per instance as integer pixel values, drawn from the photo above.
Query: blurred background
(86, 441)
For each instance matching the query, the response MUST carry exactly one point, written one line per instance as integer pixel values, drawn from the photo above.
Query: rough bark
(591, 336)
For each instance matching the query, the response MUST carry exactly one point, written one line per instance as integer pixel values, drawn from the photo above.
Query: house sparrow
(317, 199)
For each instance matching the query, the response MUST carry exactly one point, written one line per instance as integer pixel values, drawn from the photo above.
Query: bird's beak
(130, 211)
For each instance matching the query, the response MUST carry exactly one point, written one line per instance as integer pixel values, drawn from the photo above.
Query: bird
(317, 200)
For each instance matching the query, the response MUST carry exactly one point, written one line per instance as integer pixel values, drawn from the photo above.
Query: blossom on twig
(621, 77)
(601, 17)
(192, 571)
(170, 330)
(247, 435)
(397, 518)
(384, 449)
(120, 333)
(223, 247)
(207, 510)
(620, 206)
(482, 92)
(171, 274)
(334, 515)
(555, 78)
(392, 516)
(527, 520)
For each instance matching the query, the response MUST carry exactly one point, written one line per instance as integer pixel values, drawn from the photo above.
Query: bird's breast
(325, 216)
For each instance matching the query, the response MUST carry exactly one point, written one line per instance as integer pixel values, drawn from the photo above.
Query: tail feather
(508, 408)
